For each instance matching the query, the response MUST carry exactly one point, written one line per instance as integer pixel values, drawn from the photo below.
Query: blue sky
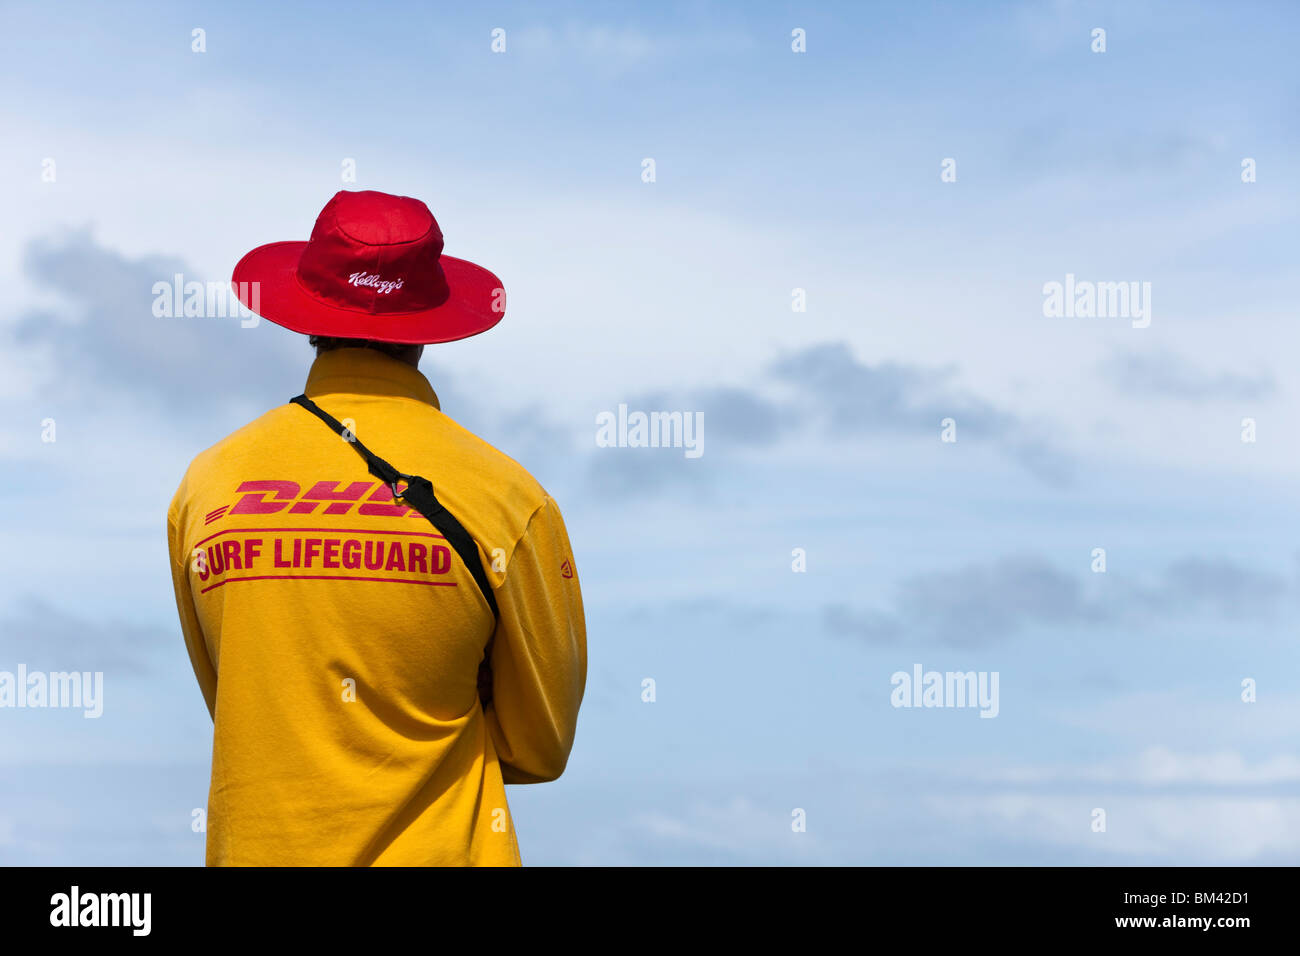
(775, 171)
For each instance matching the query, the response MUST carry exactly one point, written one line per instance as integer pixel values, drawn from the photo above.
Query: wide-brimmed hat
(372, 269)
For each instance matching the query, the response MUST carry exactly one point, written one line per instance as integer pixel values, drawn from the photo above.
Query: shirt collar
(368, 372)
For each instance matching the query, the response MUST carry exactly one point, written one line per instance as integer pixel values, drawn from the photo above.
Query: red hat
(373, 269)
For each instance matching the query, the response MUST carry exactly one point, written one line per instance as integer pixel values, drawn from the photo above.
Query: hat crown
(373, 252)
(376, 218)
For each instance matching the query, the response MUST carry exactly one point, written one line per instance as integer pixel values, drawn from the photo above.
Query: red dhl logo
(272, 496)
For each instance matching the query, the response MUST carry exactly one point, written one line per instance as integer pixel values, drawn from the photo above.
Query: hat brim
(474, 305)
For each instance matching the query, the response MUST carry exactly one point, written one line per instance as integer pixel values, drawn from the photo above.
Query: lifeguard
(377, 671)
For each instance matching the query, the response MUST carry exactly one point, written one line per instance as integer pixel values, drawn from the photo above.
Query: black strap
(419, 495)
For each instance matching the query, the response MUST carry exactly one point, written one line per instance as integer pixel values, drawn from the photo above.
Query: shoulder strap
(419, 495)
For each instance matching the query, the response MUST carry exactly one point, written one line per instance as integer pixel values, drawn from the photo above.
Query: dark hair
(327, 343)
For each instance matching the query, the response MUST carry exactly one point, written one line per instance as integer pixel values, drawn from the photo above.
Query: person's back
(338, 636)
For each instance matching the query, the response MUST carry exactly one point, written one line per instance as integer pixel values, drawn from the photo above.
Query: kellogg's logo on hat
(372, 269)
(360, 278)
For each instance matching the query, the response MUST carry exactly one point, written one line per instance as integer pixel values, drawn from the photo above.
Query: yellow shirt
(337, 638)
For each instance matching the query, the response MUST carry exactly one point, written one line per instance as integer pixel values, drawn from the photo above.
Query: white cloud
(1185, 829)
(1158, 766)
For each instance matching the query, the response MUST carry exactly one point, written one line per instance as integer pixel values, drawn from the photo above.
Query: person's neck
(409, 354)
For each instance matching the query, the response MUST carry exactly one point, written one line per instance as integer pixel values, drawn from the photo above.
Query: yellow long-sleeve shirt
(337, 638)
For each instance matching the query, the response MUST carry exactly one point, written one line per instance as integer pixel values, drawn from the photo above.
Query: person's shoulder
(242, 438)
(232, 448)
(491, 463)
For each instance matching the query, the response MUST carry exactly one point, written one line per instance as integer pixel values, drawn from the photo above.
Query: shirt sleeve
(539, 654)
(193, 634)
